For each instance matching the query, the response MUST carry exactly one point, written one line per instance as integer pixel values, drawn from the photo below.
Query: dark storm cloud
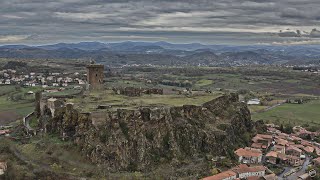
(45, 21)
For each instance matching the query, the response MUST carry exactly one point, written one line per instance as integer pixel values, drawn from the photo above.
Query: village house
(244, 171)
(279, 158)
(264, 139)
(272, 157)
(249, 155)
(258, 146)
(226, 175)
(281, 142)
(316, 162)
(293, 151)
(305, 143)
(308, 149)
(279, 148)
(294, 160)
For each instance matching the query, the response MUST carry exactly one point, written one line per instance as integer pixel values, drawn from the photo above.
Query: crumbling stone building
(95, 76)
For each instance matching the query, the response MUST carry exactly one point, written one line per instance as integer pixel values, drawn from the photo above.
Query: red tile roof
(244, 169)
(272, 154)
(293, 148)
(221, 175)
(308, 149)
(248, 152)
(317, 160)
(256, 145)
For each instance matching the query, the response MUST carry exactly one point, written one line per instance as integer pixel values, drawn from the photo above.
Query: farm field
(15, 103)
(294, 114)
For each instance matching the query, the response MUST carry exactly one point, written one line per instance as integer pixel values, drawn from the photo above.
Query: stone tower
(95, 75)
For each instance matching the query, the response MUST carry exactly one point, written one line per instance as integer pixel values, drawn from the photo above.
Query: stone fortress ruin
(132, 137)
(95, 76)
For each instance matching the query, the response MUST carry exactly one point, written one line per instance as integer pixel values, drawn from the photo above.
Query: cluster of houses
(243, 171)
(11, 77)
(274, 147)
(290, 149)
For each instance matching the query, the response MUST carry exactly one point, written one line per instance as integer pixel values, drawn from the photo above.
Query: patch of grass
(294, 114)
(21, 107)
(6, 89)
(203, 82)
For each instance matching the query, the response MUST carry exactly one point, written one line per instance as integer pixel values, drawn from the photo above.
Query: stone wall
(132, 91)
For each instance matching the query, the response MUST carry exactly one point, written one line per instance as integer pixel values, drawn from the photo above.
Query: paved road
(302, 170)
(295, 176)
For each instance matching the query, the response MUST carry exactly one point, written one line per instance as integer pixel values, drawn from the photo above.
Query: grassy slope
(296, 114)
(109, 98)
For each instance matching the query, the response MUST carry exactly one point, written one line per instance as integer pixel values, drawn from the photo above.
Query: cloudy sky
(181, 21)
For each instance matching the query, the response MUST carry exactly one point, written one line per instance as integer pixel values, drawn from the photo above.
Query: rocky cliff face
(141, 139)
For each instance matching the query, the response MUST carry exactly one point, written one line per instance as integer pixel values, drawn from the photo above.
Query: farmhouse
(293, 151)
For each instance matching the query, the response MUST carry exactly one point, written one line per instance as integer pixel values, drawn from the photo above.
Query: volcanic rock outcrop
(143, 138)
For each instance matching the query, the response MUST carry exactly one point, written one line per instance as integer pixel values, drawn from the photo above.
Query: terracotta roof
(244, 169)
(272, 154)
(281, 141)
(279, 147)
(221, 175)
(293, 148)
(300, 146)
(305, 143)
(318, 151)
(317, 160)
(308, 149)
(256, 145)
(248, 152)
(282, 156)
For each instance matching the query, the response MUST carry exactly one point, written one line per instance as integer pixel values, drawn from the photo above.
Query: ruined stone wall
(132, 91)
(38, 98)
(141, 139)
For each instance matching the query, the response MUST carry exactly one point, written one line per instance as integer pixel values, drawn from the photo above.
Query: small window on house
(96, 75)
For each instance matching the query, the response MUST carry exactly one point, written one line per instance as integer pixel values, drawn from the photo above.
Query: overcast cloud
(205, 21)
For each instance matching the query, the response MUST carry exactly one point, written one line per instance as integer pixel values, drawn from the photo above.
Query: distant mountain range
(164, 53)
